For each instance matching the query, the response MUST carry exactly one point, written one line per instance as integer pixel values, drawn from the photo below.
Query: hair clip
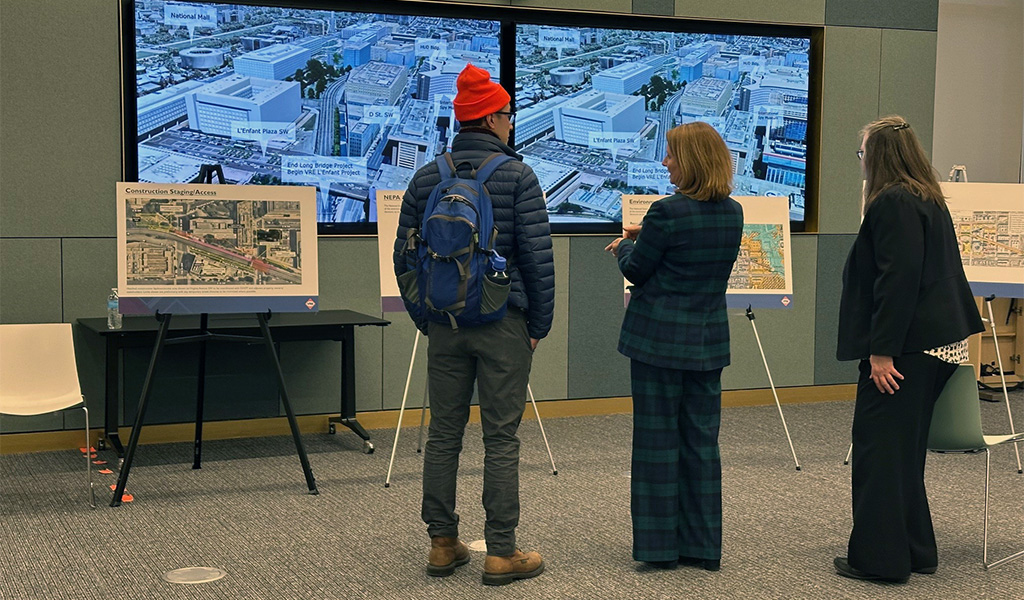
(902, 125)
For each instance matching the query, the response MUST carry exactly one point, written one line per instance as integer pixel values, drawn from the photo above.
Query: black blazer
(904, 288)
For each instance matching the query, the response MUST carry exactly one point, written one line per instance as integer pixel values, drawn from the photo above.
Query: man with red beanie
(496, 355)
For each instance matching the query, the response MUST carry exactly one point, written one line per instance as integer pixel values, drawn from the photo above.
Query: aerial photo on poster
(348, 102)
(594, 105)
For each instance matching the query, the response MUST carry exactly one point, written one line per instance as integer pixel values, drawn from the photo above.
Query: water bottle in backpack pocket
(451, 251)
(497, 286)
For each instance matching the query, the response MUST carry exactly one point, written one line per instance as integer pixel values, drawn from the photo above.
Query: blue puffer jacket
(524, 236)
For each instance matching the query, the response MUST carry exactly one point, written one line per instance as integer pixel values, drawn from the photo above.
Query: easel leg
(1002, 376)
(310, 481)
(554, 470)
(401, 411)
(133, 440)
(750, 316)
(197, 446)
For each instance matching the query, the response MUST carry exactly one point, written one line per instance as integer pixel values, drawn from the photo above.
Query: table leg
(348, 389)
(112, 395)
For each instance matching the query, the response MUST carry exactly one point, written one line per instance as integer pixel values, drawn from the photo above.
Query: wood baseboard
(16, 443)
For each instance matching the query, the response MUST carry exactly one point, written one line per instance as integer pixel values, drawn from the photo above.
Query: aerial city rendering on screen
(349, 102)
(594, 105)
(355, 102)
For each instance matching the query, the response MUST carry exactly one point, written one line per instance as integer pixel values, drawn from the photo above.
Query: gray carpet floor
(247, 512)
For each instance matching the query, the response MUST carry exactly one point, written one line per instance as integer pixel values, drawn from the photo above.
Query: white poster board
(989, 223)
(389, 207)
(201, 248)
(763, 274)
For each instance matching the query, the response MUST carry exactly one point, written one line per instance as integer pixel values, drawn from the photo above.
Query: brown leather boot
(446, 553)
(499, 570)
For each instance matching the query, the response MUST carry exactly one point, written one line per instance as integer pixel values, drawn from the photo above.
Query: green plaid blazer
(679, 267)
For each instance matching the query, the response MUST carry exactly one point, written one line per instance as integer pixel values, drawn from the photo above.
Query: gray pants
(497, 357)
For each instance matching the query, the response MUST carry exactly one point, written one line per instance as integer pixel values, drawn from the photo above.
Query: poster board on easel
(989, 223)
(763, 274)
(204, 248)
(389, 208)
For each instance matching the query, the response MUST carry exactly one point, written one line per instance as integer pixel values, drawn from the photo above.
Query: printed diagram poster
(389, 207)
(763, 273)
(200, 248)
(989, 223)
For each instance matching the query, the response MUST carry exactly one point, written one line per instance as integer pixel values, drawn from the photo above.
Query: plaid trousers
(676, 487)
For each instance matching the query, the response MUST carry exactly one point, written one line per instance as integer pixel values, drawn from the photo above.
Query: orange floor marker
(105, 471)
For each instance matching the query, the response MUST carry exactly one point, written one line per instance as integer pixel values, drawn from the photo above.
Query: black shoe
(707, 564)
(843, 568)
(924, 570)
(665, 565)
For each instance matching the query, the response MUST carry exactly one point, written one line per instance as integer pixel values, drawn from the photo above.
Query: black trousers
(892, 526)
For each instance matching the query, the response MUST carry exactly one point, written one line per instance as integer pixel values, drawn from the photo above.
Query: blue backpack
(453, 248)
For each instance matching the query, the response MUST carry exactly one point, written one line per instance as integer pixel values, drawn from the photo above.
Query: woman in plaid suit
(676, 333)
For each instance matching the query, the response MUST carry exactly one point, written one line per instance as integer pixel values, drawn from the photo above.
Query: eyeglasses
(511, 114)
(860, 154)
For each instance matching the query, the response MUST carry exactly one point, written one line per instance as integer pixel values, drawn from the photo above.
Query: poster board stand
(750, 317)
(1002, 377)
(207, 173)
(756, 277)
(204, 336)
(388, 208)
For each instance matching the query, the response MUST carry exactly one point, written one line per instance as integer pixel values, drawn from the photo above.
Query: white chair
(38, 375)
(956, 428)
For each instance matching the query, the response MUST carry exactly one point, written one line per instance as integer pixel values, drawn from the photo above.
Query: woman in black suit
(905, 314)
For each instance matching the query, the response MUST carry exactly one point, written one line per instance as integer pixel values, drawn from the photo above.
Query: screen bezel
(510, 17)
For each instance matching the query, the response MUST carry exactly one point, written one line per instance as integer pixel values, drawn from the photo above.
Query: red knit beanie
(477, 95)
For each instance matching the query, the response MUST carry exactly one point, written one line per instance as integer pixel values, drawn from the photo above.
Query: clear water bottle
(497, 273)
(113, 313)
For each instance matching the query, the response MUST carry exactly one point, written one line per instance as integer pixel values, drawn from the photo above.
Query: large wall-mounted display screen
(351, 102)
(354, 98)
(593, 106)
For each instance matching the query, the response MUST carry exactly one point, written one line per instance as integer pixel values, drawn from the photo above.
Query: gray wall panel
(60, 125)
(89, 270)
(903, 14)
(30, 280)
(399, 339)
(850, 101)
(349, 279)
(810, 12)
(832, 251)
(47, 422)
(620, 6)
(787, 335)
(654, 7)
(907, 80)
(596, 369)
(548, 378)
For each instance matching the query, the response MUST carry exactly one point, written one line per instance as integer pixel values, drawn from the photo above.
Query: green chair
(956, 428)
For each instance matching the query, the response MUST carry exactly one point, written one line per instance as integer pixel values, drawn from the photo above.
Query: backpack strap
(445, 166)
(490, 165)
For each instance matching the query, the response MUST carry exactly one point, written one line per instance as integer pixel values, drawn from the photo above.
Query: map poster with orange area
(202, 248)
(989, 223)
(763, 274)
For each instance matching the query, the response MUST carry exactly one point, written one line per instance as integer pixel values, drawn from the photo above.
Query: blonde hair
(705, 165)
(893, 156)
